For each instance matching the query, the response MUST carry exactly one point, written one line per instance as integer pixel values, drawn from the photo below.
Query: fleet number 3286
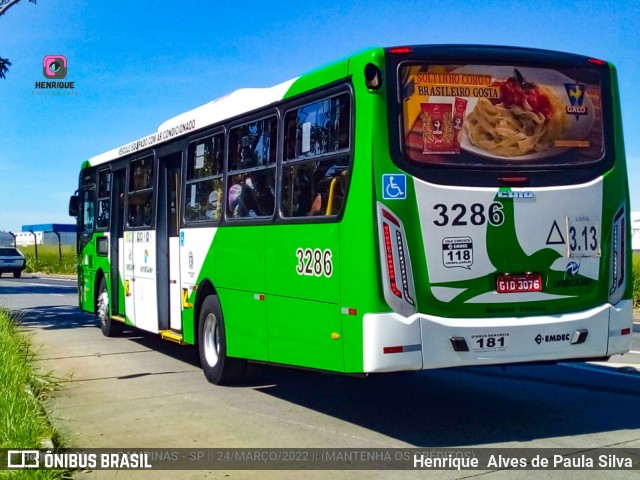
(314, 262)
(460, 214)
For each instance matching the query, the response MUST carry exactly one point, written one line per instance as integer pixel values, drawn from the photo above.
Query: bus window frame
(86, 183)
(185, 182)
(153, 189)
(344, 87)
(107, 198)
(237, 123)
(83, 201)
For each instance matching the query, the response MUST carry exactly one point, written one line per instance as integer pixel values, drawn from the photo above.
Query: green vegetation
(49, 259)
(23, 420)
(636, 280)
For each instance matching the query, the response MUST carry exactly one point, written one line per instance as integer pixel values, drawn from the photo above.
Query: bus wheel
(212, 345)
(109, 327)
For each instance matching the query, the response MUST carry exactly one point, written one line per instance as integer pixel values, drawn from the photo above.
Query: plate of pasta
(529, 120)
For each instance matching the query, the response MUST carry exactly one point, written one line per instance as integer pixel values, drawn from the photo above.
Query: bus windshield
(500, 115)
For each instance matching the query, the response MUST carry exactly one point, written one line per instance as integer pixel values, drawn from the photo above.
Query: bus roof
(240, 101)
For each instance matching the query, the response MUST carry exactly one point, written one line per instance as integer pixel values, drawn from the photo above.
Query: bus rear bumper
(394, 343)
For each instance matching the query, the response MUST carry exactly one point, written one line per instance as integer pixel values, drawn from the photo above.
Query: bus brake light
(400, 50)
(397, 276)
(390, 262)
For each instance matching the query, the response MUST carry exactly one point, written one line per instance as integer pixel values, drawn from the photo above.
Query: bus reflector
(390, 217)
(625, 331)
(402, 349)
(335, 336)
(387, 350)
(617, 272)
(597, 61)
(348, 311)
(258, 296)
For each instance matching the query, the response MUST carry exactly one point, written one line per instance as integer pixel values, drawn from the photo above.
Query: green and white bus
(401, 209)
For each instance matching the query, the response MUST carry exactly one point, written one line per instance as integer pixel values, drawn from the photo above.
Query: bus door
(168, 228)
(141, 296)
(117, 266)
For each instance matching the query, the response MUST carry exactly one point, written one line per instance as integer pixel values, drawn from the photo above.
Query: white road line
(602, 368)
(48, 285)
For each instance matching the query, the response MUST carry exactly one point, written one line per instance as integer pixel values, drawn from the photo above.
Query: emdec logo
(560, 337)
(54, 66)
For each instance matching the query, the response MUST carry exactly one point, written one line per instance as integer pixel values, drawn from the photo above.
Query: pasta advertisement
(500, 114)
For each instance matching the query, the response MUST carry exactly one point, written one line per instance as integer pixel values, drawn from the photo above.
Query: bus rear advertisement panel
(492, 114)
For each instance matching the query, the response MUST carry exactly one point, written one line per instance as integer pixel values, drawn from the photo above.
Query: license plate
(527, 282)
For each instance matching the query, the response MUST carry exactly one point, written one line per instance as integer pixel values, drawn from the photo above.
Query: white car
(12, 261)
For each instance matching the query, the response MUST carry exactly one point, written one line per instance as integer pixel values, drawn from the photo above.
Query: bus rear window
(500, 115)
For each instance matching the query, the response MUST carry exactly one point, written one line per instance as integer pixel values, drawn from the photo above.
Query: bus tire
(217, 367)
(109, 327)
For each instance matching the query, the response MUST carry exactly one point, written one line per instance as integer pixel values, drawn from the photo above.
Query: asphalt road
(140, 392)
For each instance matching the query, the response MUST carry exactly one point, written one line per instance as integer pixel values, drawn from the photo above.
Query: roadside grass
(23, 420)
(49, 259)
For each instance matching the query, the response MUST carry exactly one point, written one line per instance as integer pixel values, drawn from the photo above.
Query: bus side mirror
(73, 205)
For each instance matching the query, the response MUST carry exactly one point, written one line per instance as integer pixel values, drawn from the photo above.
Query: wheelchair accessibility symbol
(394, 186)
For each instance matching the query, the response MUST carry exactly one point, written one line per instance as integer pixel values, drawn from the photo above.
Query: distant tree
(4, 67)
(4, 62)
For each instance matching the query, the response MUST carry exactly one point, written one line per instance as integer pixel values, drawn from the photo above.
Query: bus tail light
(618, 246)
(397, 276)
(400, 50)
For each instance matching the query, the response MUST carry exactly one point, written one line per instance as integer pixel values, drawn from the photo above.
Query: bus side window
(330, 193)
(252, 169)
(104, 198)
(315, 188)
(317, 157)
(252, 194)
(141, 194)
(87, 210)
(204, 180)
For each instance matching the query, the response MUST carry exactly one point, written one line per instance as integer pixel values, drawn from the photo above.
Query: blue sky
(136, 64)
